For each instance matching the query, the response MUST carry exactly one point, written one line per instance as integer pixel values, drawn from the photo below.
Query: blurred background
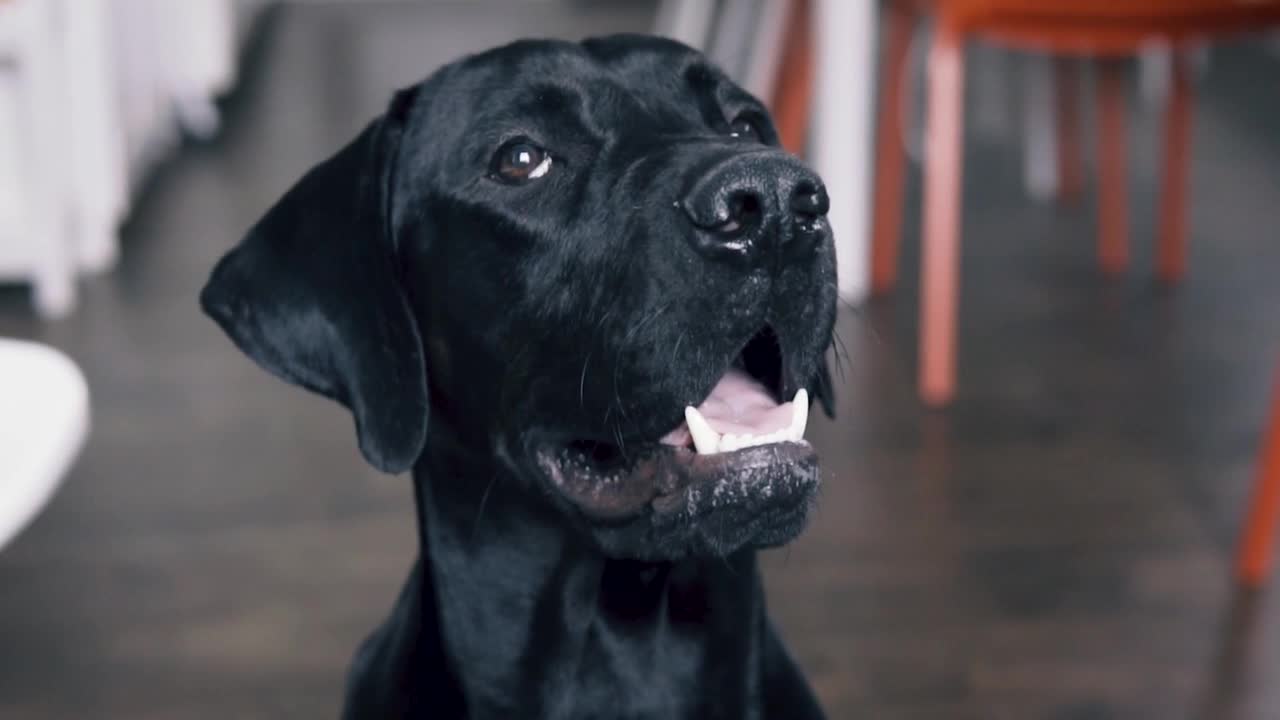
(1048, 491)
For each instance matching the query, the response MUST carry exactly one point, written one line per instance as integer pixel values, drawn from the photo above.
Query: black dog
(591, 266)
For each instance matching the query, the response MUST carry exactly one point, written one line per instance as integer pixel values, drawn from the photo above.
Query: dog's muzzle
(749, 207)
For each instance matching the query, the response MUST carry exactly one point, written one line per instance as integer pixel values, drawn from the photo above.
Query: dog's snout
(748, 206)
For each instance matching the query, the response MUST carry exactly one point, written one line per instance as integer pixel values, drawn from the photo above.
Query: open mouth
(742, 445)
(743, 409)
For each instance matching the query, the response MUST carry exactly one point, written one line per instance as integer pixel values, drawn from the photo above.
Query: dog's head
(591, 261)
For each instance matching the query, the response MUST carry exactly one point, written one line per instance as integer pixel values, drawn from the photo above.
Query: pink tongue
(738, 405)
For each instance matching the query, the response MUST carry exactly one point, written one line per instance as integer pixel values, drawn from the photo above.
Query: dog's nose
(749, 205)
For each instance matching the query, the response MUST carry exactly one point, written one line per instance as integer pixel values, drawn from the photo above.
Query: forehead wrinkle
(616, 105)
(652, 90)
(671, 89)
(557, 98)
(689, 91)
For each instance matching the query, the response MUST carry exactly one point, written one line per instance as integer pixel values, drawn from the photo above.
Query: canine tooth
(705, 440)
(799, 415)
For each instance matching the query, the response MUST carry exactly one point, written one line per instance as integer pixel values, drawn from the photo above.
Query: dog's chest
(638, 673)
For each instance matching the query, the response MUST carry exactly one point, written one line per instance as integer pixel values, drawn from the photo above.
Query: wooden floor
(1055, 546)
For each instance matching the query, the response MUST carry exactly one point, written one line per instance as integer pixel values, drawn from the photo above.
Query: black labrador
(594, 270)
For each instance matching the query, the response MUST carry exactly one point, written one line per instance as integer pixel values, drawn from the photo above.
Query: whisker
(837, 345)
(622, 444)
(649, 318)
(676, 350)
(617, 397)
(827, 386)
(860, 312)
(623, 346)
(582, 383)
(484, 499)
(841, 353)
(603, 319)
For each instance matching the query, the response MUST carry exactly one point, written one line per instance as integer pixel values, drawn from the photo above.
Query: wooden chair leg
(1258, 539)
(793, 93)
(940, 254)
(1066, 85)
(1113, 164)
(1171, 251)
(891, 157)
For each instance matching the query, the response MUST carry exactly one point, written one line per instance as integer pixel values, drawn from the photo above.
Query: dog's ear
(313, 295)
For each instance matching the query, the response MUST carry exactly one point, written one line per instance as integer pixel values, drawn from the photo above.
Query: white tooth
(705, 440)
(799, 415)
(730, 442)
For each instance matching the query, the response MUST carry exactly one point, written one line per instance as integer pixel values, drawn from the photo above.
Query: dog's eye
(742, 127)
(520, 161)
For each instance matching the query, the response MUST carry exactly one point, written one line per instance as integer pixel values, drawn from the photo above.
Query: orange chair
(1104, 29)
(1258, 541)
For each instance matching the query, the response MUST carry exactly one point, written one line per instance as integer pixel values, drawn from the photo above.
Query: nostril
(809, 200)
(744, 212)
(743, 204)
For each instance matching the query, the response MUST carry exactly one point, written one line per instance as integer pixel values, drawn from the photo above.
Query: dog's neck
(537, 622)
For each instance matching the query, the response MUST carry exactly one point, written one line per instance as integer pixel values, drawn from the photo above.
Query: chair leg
(1258, 539)
(891, 159)
(1066, 84)
(793, 93)
(1171, 252)
(940, 254)
(1113, 164)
